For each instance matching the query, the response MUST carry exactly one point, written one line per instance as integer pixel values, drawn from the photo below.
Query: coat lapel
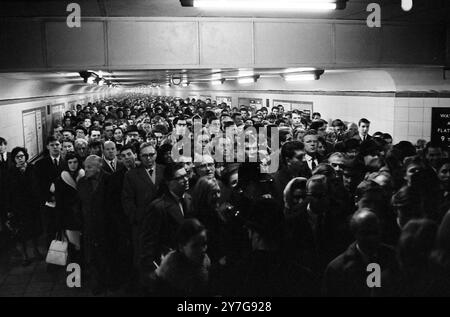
(174, 209)
(144, 175)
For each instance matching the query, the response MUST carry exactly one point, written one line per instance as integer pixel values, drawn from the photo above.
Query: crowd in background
(144, 215)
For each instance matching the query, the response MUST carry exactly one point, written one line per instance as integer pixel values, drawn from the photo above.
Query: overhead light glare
(248, 80)
(306, 5)
(217, 82)
(303, 77)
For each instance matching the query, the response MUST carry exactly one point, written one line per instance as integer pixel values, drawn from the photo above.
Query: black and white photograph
(225, 153)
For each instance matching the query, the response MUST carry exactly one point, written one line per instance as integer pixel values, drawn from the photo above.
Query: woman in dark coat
(66, 196)
(22, 205)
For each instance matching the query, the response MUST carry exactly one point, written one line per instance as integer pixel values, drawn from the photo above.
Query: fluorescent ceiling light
(300, 77)
(308, 5)
(217, 82)
(248, 80)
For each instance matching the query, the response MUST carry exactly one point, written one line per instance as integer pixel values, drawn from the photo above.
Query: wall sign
(305, 106)
(226, 100)
(440, 126)
(34, 131)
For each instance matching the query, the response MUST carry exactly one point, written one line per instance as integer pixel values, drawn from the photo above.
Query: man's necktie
(56, 162)
(112, 166)
(150, 173)
(313, 163)
(2, 160)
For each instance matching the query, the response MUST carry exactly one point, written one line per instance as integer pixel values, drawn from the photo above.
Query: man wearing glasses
(164, 216)
(140, 188)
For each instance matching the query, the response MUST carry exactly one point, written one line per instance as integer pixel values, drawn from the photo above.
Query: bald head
(365, 225)
(92, 165)
(109, 150)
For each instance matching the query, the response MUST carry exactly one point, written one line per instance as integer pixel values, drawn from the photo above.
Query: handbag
(58, 251)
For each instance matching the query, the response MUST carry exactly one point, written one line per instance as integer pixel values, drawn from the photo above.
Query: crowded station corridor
(225, 148)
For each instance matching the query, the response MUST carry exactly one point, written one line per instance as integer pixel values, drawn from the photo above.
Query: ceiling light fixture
(218, 82)
(304, 76)
(248, 80)
(305, 5)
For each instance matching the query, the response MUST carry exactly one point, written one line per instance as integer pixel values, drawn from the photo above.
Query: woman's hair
(326, 170)
(416, 243)
(188, 229)
(17, 150)
(291, 187)
(201, 192)
(71, 156)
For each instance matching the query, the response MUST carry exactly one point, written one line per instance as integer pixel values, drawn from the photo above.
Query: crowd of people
(145, 213)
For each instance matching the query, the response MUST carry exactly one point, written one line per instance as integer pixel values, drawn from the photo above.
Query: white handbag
(58, 252)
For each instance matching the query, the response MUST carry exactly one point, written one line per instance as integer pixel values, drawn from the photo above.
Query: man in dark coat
(164, 216)
(110, 163)
(5, 164)
(47, 171)
(312, 238)
(266, 271)
(347, 275)
(292, 155)
(140, 188)
(93, 191)
(120, 239)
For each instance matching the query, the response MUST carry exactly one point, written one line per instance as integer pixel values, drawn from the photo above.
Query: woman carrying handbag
(66, 197)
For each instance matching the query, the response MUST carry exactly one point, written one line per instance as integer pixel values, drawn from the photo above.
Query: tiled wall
(11, 115)
(412, 117)
(378, 109)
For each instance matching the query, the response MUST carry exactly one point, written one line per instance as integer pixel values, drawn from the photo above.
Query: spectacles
(148, 155)
(336, 165)
(20, 156)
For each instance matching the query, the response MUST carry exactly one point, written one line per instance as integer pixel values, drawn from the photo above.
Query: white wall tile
(401, 128)
(401, 102)
(413, 138)
(426, 129)
(427, 114)
(401, 114)
(415, 114)
(444, 102)
(398, 138)
(430, 102)
(415, 128)
(415, 102)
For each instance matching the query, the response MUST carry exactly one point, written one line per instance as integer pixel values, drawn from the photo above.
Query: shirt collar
(57, 158)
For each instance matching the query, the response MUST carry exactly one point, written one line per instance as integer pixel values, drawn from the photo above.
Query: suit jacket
(95, 209)
(162, 219)
(107, 168)
(46, 173)
(314, 241)
(347, 274)
(139, 191)
(357, 137)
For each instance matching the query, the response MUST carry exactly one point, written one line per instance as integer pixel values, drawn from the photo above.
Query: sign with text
(440, 126)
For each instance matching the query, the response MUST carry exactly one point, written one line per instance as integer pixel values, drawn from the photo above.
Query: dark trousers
(49, 224)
